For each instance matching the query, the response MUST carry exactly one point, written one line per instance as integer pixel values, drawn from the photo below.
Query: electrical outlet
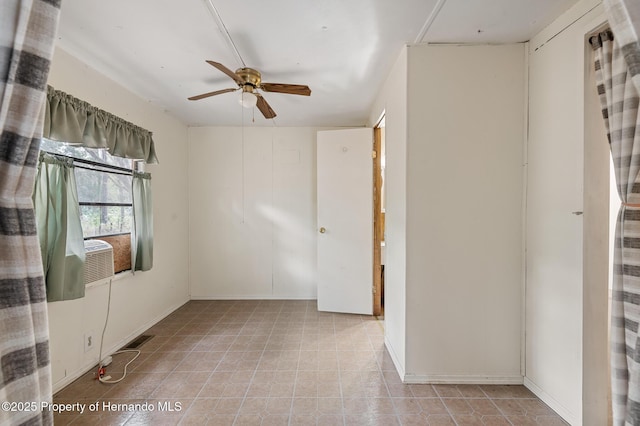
(89, 341)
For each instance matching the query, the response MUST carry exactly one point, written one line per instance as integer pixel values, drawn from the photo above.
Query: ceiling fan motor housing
(250, 76)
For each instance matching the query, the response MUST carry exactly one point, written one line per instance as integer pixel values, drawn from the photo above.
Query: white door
(345, 221)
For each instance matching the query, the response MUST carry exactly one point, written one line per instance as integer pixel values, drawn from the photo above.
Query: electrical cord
(124, 374)
(104, 329)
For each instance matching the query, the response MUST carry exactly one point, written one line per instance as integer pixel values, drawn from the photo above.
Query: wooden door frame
(377, 221)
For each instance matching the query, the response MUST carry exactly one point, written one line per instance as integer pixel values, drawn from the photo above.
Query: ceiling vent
(98, 266)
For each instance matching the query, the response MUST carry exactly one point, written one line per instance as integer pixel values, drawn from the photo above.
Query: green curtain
(142, 232)
(72, 120)
(58, 220)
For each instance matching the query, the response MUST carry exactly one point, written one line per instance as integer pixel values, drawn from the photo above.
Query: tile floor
(281, 363)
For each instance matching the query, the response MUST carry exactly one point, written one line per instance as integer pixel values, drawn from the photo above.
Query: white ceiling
(342, 49)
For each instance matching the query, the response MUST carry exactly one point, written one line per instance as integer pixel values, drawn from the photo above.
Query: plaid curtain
(624, 19)
(27, 30)
(619, 100)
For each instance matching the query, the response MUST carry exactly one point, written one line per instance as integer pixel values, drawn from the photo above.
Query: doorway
(379, 244)
(350, 202)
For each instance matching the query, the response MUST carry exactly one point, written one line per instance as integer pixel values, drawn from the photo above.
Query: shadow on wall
(289, 237)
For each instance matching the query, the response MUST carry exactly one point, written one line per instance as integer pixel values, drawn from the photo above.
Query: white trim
(380, 118)
(429, 22)
(462, 379)
(88, 366)
(260, 297)
(117, 277)
(189, 228)
(562, 411)
(394, 358)
(525, 188)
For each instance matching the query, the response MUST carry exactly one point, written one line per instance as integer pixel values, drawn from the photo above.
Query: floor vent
(139, 341)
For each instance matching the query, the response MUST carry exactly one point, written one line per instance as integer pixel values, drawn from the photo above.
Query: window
(105, 202)
(104, 197)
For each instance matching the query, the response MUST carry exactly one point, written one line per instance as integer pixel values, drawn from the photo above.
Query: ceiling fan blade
(264, 107)
(292, 89)
(227, 71)
(206, 95)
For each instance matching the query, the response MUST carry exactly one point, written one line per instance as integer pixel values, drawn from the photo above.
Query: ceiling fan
(250, 80)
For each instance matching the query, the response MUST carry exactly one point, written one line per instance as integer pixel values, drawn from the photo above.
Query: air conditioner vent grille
(99, 261)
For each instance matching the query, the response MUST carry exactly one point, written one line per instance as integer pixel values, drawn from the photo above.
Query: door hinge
(373, 289)
(374, 155)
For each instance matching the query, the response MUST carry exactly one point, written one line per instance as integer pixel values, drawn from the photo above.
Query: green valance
(69, 119)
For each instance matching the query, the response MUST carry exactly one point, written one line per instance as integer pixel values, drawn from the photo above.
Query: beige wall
(141, 300)
(392, 100)
(454, 206)
(566, 284)
(464, 204)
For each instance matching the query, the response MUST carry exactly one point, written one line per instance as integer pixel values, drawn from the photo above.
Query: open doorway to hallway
(379, 244)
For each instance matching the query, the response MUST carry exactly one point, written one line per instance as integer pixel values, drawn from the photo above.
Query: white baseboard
(462, 379)
(394, 357)
(556, 406)
(447, 378)
(263, 297)
(72, 376)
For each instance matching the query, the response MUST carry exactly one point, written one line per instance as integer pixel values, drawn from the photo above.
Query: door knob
(323, 230)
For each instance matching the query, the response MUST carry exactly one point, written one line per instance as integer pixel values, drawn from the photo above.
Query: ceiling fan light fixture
(248, 99)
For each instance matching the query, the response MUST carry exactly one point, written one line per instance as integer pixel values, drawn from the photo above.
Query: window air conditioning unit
(98, 266)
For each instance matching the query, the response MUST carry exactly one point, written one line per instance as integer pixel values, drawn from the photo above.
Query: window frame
(118, 251)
